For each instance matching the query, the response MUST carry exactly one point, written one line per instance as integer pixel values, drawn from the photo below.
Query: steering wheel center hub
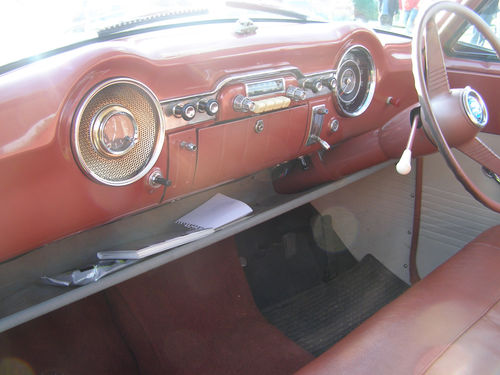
(474, 107)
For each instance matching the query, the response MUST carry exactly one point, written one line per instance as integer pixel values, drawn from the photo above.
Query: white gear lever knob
(404, 165)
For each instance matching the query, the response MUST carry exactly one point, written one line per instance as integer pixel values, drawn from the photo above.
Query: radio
(247, 103)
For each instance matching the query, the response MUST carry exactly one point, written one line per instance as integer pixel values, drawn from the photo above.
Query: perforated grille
(142, 106)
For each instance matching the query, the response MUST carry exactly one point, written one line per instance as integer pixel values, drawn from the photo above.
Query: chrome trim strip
(315, 124)
(239, 78)
(159, 140)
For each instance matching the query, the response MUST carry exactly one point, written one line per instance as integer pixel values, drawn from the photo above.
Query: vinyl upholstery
(448, 323)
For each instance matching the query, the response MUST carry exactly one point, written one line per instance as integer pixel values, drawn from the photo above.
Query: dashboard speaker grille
(145, 109)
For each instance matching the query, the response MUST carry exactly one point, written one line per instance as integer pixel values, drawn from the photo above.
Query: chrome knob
(331, 83)
(314, 85)
(156, 179)
(333, 125)
(243, 104)
(186, 111)
(295, 93)
(211, 107)
(188, 146)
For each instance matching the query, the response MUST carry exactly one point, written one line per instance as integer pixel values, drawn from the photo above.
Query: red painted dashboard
(46, 190)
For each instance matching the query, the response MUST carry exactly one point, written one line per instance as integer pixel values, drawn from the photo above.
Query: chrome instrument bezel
(370, 91)
(98, 125)
(244, 77)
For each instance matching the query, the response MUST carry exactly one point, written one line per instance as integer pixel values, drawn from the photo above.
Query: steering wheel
(451, 117)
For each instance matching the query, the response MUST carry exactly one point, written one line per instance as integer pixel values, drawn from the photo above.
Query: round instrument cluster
(355, 81)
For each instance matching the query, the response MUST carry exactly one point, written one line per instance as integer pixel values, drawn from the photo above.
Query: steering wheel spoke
(479, 152)
(437, 78)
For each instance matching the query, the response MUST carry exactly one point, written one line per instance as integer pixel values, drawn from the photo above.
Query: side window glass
(489, 13)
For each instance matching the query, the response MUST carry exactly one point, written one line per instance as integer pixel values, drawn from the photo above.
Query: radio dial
(295, 93)
(243, 104)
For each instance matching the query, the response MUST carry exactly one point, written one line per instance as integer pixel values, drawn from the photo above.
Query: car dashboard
(118, 127)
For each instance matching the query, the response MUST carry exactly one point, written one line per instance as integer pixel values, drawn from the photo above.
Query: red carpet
(197, 316)
(193, 316)
(81, 338)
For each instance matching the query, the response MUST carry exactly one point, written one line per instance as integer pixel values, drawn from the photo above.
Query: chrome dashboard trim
(259, 74)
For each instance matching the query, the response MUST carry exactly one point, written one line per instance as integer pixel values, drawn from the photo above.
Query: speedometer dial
(349, 81)
(355, 81)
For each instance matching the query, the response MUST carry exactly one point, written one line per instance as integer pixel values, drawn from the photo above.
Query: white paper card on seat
(215, 213)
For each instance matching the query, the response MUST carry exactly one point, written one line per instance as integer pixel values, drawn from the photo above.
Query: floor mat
(197, 316)
(290, 254)
(318, 318)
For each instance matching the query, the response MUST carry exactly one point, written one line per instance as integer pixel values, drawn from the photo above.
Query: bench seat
(448, 323)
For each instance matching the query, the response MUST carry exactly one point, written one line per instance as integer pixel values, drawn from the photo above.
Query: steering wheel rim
(434, 86)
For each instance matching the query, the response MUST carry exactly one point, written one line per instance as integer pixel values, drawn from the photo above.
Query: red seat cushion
(448, 323)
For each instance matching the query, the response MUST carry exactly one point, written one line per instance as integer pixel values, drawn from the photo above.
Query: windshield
(32, 27)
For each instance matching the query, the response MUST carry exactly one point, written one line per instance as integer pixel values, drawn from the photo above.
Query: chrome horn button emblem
(474, 107)
(114, 131)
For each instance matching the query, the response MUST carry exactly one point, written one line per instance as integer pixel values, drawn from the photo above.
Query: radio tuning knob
(314, 85)
(210, 106)
(186, 111)
(243, 104)
(295, 93)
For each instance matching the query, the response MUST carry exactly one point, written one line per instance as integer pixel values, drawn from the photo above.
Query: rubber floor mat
(319, 317)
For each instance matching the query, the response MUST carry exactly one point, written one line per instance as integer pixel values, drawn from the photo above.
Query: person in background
(365, 10)
(387, 9)
(410, 10)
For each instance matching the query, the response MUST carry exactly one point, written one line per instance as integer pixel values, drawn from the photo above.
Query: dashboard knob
(156, 179)
(188, 146)
(186, 111)
(314, 85)
(295, 93)
(331, 83)
(243, 104)
(210, 106)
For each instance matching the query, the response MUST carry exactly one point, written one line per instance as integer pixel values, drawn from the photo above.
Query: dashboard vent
(118, 132)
